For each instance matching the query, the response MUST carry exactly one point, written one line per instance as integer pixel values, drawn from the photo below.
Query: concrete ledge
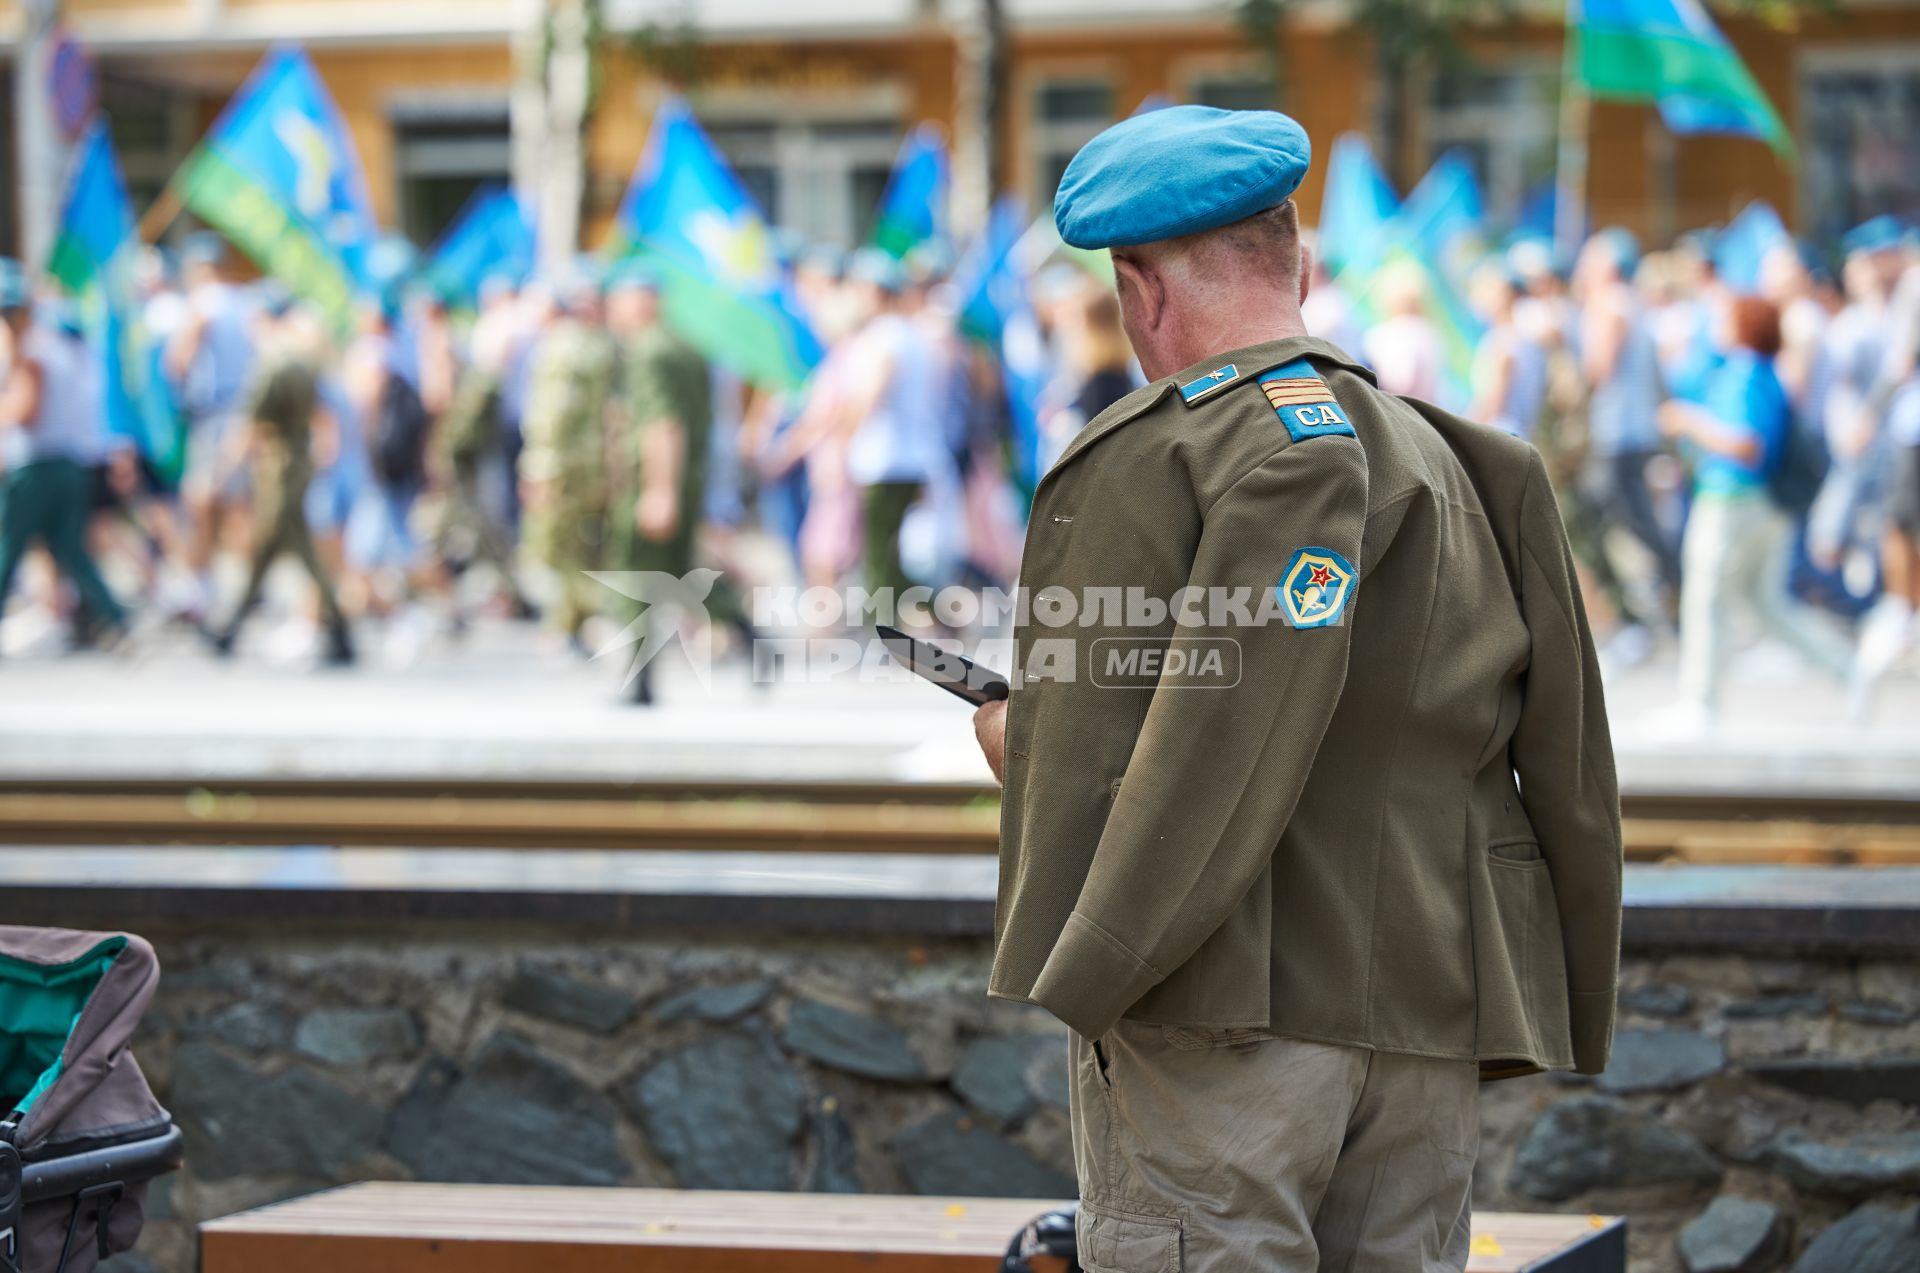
(1849, 910)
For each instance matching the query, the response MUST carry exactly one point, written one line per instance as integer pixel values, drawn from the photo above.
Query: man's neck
(1224, 328)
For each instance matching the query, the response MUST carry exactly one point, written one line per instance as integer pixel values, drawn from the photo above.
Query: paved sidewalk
(505, 702)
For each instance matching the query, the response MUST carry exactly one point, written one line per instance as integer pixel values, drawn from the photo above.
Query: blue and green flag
(1669, 52)
(279, 177)
(493, 235)
(95, 258)
(1444, 219)
(724, 289)
(1356, 205)
(1740, 250)
(913, 210)
(996, 309)
(1440, 232)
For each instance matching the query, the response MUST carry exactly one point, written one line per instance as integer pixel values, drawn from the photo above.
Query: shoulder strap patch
(1208, 385)
(1304, 403)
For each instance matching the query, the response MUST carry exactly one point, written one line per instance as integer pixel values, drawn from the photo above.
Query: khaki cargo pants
(1236, 1151)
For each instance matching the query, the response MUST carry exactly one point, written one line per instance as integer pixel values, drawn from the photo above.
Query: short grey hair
(1266, 243)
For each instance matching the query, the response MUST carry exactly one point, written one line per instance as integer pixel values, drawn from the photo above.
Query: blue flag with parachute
(1742, 248)
(1443, 220)
(722, 285)
(996, 309)
(493, 235)
(279, 177)
(913, 211)
(95, 258)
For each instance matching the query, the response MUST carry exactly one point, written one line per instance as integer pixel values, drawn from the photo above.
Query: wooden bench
(426, 1228)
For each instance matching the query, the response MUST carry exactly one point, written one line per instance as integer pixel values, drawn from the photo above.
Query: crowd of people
(1724, 458)
(1721, 458)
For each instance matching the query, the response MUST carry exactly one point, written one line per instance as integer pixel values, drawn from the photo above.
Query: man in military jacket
(1354, 845)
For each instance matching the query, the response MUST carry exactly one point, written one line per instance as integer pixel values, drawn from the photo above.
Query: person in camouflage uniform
(563, 466)
(463, 530)
(279, 411)
(657, 470)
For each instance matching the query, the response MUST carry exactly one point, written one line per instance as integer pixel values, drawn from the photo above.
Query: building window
(1502, 119)
(445, 150)
(153, 131)
(1860, 151)
(819, 178)
(1246, 92)
(1067, 115)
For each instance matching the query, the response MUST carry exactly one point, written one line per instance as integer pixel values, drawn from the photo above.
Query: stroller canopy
(80, 1132)
(69, 1003)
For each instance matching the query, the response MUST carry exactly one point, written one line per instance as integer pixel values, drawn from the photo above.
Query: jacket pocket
(1116, 1241)
(1194, 1039)
(1516, 850)
(1522, 969)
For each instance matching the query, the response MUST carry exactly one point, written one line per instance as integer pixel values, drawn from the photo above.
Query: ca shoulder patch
(1304, 403)
(1315, 588)
(1206, 386)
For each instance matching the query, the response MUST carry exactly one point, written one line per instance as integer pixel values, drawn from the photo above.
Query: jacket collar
(1249, 361)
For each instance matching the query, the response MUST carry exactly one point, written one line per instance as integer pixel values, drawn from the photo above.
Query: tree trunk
(37, 150)
(1392, 120)
(978, 149)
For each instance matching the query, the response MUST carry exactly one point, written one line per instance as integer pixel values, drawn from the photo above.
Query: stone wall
(1784, 1093)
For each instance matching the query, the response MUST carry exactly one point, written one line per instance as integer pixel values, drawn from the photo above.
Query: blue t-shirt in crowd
(1743, 392)
(1903, 414)
(1621, 412)
(216, 382)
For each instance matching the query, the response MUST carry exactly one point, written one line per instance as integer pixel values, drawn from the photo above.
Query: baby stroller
(1047, 1245)
(81, 1134)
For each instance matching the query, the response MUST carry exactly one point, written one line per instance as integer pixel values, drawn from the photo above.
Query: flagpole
(160, 216)
(1570, 176)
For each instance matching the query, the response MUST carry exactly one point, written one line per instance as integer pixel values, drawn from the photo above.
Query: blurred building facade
(811, 97)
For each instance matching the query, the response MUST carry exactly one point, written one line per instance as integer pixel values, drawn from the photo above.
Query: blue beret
(204, 247)
(1703, 243)
(871, 265)
(1878, 235)
(634, 273)
(273, 297)
(1622, 246)
(1182, 170)
(498, 283)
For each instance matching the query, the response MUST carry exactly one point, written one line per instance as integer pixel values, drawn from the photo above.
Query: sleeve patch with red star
(1315, 588)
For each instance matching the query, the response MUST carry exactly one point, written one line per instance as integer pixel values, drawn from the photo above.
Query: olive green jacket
(1398, 829)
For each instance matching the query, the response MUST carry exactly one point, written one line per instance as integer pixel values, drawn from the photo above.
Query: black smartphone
(954, 673)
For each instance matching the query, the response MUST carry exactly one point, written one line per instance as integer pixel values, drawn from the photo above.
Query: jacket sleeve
(1216, 771)
(1563, 754)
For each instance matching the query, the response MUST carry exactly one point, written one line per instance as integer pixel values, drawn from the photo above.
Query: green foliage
(670, 48)
(1261, 21)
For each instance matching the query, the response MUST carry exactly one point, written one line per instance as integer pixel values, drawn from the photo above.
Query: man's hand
(990, 727)
(656, 513)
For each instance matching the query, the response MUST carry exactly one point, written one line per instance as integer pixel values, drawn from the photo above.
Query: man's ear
(1306, 272)
(1142, 291)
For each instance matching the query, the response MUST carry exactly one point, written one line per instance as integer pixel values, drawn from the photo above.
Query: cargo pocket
(1116, 1241)
(1193, 1039)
